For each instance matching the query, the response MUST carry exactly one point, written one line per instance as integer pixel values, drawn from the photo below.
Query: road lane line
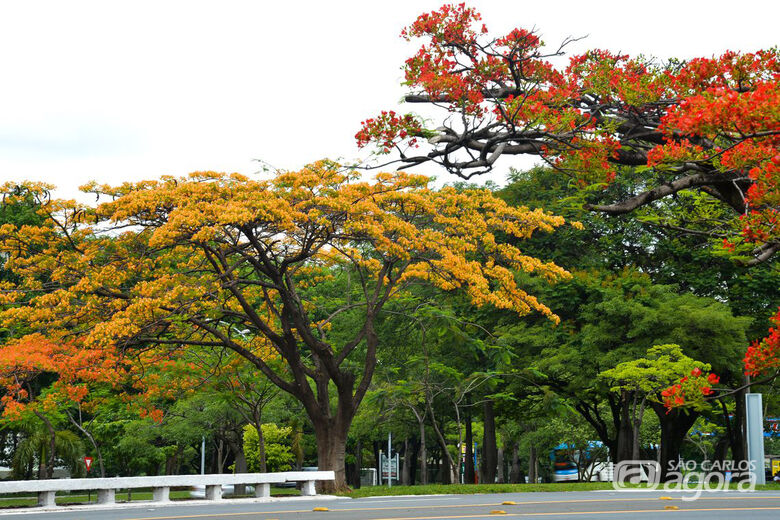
(574, 513)
(446, 506)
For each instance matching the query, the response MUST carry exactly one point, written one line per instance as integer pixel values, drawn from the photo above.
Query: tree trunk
(414, 459)
(624, 436)
(331, 453)
(235, 441)
(423, 453)
(220, 456)
(241, 467)
(423, 457)
(172, 462)
(720, 450)
(47, 468)
(358, 462)
(674, 428)
(500, 467)
(489, 445)
(636, 425)
(468, 473)
(738, 444)
(258, 424)
(589, 410)
(407, 463)
(514, 472)
(92, 441)
(532, 466)
(447, 473)
(42, 464)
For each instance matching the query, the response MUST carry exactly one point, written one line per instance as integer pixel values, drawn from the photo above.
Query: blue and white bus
(564, 459)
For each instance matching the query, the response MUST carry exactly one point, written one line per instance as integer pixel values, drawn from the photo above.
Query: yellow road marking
(626, 512)
(574, 513)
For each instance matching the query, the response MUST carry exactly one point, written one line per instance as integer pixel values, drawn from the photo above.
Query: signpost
(390, 455)
(88, 464)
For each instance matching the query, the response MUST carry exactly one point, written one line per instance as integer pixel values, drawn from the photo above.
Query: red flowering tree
(708, 128)
(761, 359)
(763, 356)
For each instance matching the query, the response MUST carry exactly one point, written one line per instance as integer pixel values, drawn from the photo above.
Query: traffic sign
(88, 463)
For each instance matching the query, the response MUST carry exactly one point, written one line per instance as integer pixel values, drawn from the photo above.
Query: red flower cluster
(764, 356)
(718, 113)
(389, 130)
(690, 390)
(451, 23)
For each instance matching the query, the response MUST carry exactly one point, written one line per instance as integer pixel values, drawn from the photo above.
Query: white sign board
(392, 470)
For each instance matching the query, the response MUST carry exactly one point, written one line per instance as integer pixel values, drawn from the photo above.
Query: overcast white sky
(117, 91)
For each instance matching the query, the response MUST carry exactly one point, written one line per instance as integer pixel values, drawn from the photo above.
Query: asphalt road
(566, 505)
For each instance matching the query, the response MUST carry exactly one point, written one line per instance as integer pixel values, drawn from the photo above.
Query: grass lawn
(465, 489)
(460, 489)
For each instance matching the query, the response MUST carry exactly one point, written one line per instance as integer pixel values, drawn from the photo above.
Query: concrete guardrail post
(262, 490)
(46, 498)
(214, 492)
(106, 496)
(308, 488)
(161, 494)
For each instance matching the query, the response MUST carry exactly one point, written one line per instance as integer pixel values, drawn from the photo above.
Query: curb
(149, 505)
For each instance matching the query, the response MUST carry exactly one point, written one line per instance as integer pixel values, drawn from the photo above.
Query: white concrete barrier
(161, 486)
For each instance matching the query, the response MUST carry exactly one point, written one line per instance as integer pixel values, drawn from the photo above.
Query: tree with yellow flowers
(216, 262)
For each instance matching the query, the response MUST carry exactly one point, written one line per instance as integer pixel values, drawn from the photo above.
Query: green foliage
(645, 303)
(703, 438)
(278, 447)
(34, 447)
(663, 366)
(608, 319)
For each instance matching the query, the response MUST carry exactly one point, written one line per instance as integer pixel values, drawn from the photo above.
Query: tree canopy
(219, 261)
(707, 128)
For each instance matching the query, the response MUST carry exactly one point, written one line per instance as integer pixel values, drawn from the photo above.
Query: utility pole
(389, 460)
(203, 455)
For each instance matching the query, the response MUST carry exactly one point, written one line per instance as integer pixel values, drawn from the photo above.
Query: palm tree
(68, 450)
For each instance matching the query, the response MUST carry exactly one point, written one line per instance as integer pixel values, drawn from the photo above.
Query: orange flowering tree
(42, 379)
(706, 130)
(216, 262)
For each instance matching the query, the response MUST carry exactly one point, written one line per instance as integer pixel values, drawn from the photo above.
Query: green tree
(277, 450)
(643, 380)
